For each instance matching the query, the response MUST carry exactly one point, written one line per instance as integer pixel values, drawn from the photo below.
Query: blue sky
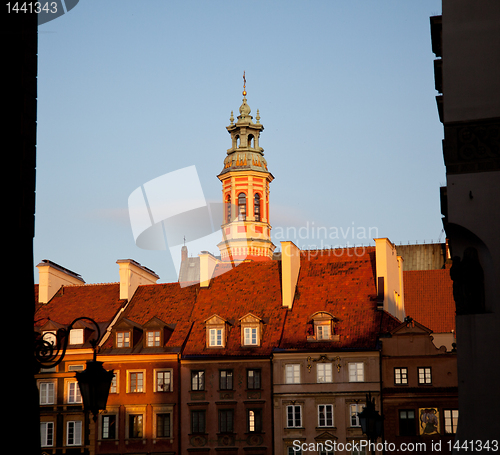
(129, 91)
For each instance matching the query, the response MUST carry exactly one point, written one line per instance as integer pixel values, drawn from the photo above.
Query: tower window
(251, 141)
(242, 207)
(256, 206)
(228, 209)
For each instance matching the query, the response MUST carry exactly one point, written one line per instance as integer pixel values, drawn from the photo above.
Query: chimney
(389, 278)
(133, 275)
(51, 277)
(207, 267)
(290, 266)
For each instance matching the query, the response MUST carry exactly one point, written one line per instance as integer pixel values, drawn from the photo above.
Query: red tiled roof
(343, 284)
(429, 298)
(253, 287)
(100, 302)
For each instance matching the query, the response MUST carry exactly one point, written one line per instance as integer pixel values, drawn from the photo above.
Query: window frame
(294, 415)
(450, 420)
(213, 337)
(47, 434)
(199, 375)
(356, 376)
(226, 379)
(242, 204)
(75, 434)
(257, 377)
(328, 421)
(253, 338)
(111, 432)
(198, 427)
(226, 420)
(163, 371)
(256, 415)
(161, 422)
(358, 407)
(156, 340)
(135, 422)
(133, 380)
(295, 372)
(73, 393)
(424, 370)
(123, 339)
(49, 394)
(325, 373)
(401, 375)
(76, 336)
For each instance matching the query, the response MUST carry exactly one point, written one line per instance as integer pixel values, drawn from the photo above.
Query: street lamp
(94, 382)
(370, 420)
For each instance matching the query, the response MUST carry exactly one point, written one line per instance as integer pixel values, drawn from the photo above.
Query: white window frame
(74, 435)
(167, 373)
(326, 375)
(354, 408)
(198, 380)
(115, 383)
(47, 392)
(292, 373)
(107, 417)
(50, 337)
(76, 336)
(327, 409)
(216, 337)
(74, 395)
(251, 336)
(294, 416)
(356, 371)
(47, 434)
(323, 331)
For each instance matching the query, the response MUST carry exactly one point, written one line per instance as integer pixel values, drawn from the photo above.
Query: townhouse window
(292, 373)
(292, 450)
(226, 419)
(153, 338)
(450, 421)
(324, 372)
(163, 425)
(74, 395)
(325, 415)
(256, 206)
(326, 452)
(76, 336)
(251, 338)
(401, 376)
(135, 426)
(122, 339)
(197, 421)
(242, 207)
(136, 382)
(47, 393)
(253, 379)
(357, 449)
(254, 418)
(294, 416)
(407, 422)
(163, 381)
(198, 380)
(108, 430)
(114, 384)
(354, 408)
(50, 337)
(356, 372)
(74, 433)
(424, 375)
(47, 434)
(226, 379)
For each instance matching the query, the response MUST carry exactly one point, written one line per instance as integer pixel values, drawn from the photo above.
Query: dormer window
(76, 336)
(251, 328)
(216, 331)
(122, 339)
(215, 337)
(50, 337)
(153, 338)
(323, 324)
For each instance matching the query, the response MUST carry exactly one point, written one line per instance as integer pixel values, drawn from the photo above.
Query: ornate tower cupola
(245, 191)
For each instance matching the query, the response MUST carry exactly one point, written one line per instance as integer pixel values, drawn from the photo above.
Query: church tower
(245, 191)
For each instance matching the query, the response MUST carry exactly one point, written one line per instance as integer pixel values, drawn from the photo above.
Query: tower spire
(245, 187)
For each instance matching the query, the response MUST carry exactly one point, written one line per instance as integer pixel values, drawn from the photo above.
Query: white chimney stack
(133, 275)
(51, 277)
